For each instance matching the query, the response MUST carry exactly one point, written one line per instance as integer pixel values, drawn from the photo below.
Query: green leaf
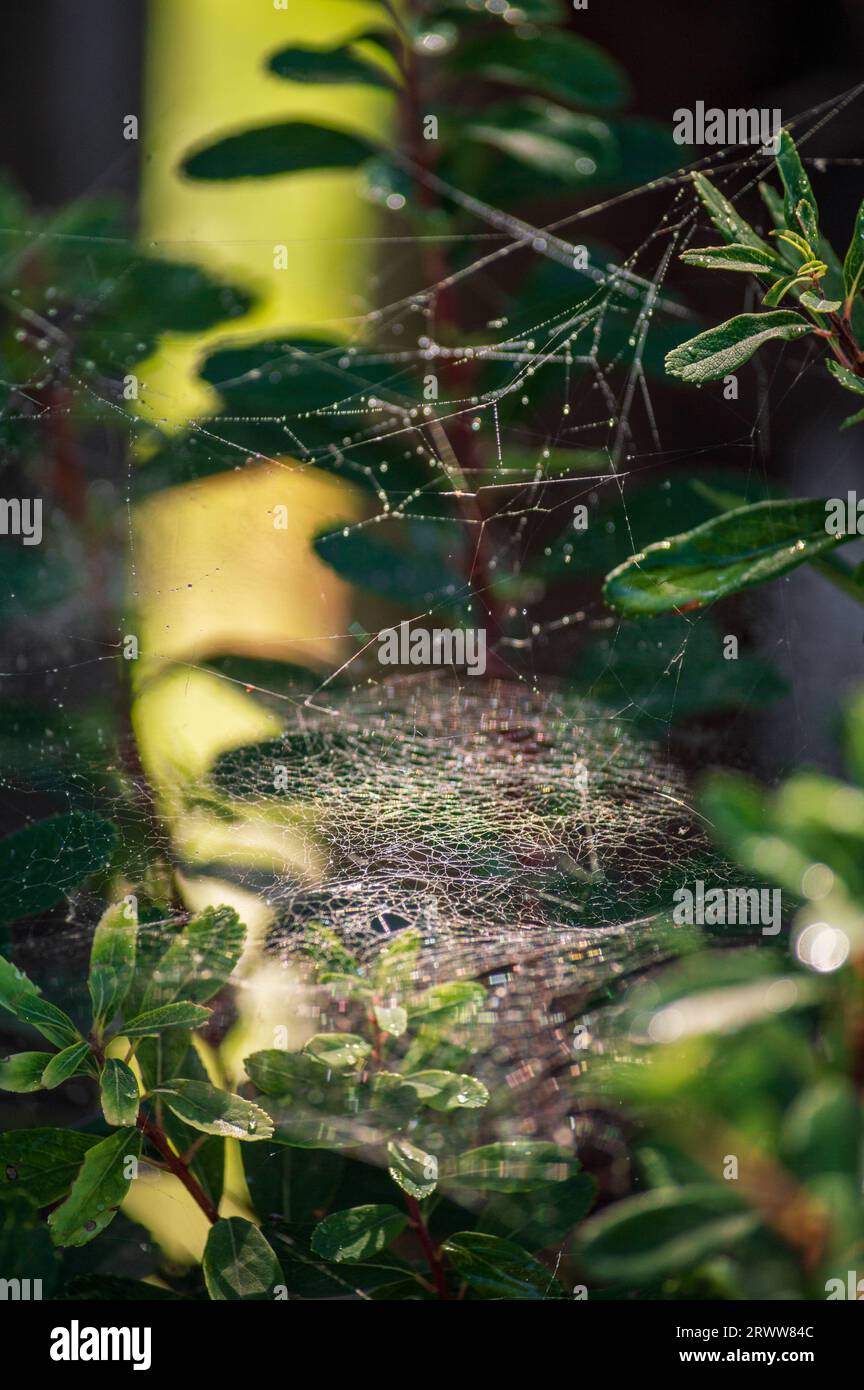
(15, 986)
(822, 1131)
(238, 1262)
(50, 1021)
(98, 1190)
(338, 1051)
(799, 204)
(845, 377)
(726, 218)
(558, 65)
(199, 960)
(119, 1093)
(70, 1062)
(391, 1019)
(212, 1111)
(289, 147)
(112, 960)
(721, 350)
(404, 577)
(23, 1071)
(40, 1165)
(179, 1015)
(817, 305)
(456, 1001)
(358, 1233)
(853, 266)
(496, 1268)
(739, 548)
(42, 862)
(519, 1165)
(543, 1218)
(853, 419)
(664, 1232)
(276, 1072)
(734, 257)
(333, 66)
(447, 1090)
(415, 1171)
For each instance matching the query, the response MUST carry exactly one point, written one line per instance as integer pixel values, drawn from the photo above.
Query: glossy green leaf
(853, 266)
(112, 960)
(238, 1262)
(212, 1111)
(179, 1015)
(290, 147)
(447, 1090)
(721, 350)
(118, 1089)
(15, 986)
(542, 1218)
(70, 1062)
(358, 1233)
(333, 66)
(42, 862)
(733, 257)
(23, 1071)
(98, 1190)
(735, 550)
(40, 1165)
(519, 1165)
(199, 960)
(50, 1021)
(846, 378)
(799, 203)
(339, 1051)
(415, 1170)
(496, 1268)
(664, 1232)
(726, 218)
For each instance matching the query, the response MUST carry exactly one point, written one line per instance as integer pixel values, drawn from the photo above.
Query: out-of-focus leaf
(561, 65)
(822, 1132)
(42, 862)
(338, 1051)
(731, 552)
(332, 66)
(289, 147)
(404, 577)
(663, 1232)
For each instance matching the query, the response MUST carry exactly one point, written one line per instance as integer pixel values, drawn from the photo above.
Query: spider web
(530, 834)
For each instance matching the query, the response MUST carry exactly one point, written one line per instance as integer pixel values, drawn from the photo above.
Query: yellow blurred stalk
(212, 576)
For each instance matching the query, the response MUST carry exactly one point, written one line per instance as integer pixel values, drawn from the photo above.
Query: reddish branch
(176, 1165)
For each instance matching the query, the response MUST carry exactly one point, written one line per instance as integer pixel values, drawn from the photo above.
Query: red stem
(430, 1250)
(177, 1167)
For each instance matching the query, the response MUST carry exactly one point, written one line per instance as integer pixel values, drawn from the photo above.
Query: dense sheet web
(528, 832)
